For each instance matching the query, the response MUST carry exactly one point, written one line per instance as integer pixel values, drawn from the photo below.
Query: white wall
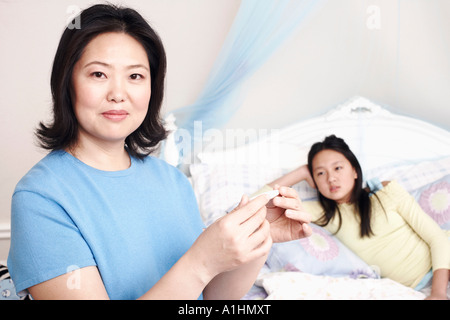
(336, 56)
(4, 242)
(405, 64)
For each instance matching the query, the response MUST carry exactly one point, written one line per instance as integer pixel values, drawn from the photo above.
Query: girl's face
(334, 175)
(111, 88)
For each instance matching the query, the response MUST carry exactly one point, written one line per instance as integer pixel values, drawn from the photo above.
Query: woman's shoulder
(160, 164)
(164, 169)
(41, 173)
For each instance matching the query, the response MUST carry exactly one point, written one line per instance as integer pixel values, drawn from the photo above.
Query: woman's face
(334, 175)
(111, 88)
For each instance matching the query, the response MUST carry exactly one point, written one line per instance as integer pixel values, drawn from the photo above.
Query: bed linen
(321, 260)
(320, 267)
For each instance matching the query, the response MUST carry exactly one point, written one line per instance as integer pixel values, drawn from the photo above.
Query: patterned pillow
(434, 198)
(320, 254)
(7, 289)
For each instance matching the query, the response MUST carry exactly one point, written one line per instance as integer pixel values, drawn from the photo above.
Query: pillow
(428, 182)
(320, 254)
(7, 288)
(434, 199)
(412, 176)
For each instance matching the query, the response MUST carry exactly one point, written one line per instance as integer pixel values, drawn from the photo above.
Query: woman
(383, 225)
(99, 217)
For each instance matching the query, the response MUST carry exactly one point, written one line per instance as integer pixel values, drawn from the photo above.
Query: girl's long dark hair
(359, 198)
(62, 132)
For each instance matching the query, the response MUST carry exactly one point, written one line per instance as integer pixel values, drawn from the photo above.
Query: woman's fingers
(261, 240)
(290, 201)
(287, 203)
(246, 209)
(254, 223)
(307, 231)
(288, 192)
(300, 216)
(247, 221)
(244, 201)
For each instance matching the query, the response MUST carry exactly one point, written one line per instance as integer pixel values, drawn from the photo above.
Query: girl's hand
(237, 238)
(288, 221)
(294, 177)
(437, 297)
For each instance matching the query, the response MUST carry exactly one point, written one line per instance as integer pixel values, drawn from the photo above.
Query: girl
(98, 217)
(382, 224)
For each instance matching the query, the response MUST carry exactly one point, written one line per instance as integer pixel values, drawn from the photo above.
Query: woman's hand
(288, 221)
(237, 238)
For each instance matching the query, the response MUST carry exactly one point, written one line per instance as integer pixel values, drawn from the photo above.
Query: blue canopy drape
(259, 29)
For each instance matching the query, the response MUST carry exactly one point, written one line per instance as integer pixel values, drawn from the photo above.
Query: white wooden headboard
(377, 137)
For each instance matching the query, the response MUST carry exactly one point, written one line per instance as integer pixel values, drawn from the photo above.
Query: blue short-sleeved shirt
(132, 224)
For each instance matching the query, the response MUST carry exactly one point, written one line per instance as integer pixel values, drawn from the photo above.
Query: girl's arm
(439, 285)
(432, 234)
(294, 177)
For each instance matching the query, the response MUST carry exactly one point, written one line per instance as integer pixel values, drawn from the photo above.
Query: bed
(389, 146)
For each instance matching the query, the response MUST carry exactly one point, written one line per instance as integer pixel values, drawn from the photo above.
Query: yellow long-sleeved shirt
(407, 242)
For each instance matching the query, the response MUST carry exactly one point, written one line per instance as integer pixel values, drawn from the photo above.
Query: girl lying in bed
(383, 224)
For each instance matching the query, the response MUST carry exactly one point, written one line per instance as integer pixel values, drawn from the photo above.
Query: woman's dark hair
(359, 197)
(63, 131)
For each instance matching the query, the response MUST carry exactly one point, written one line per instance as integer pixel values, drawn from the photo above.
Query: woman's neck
(105, 157)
